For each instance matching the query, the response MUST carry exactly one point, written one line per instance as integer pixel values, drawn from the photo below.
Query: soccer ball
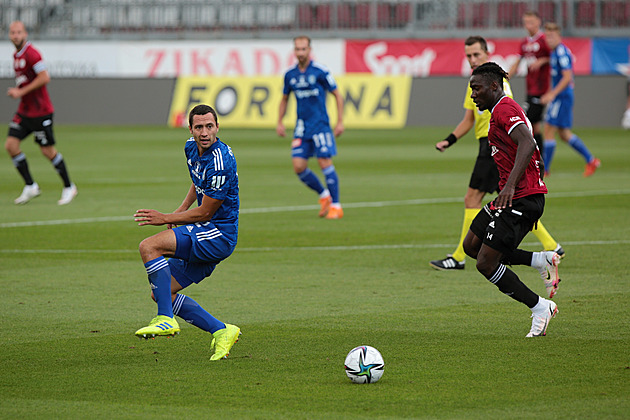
(364, 365)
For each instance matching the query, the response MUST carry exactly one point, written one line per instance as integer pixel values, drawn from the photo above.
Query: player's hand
(339, 129)
(547, 98)
(280, 130)
(504, 199)
(442, 145)
(149, 217)
(14, 93)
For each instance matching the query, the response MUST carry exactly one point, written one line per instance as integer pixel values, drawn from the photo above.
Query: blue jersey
(310, 88)
(561, 59)
(214, 174)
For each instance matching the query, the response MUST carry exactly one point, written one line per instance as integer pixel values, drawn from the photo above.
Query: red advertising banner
(424, 58)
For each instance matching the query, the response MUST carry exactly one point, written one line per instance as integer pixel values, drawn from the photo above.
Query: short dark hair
(531, 13)
(492, 72)
(472, 40)
(202, 109)
(552, 27)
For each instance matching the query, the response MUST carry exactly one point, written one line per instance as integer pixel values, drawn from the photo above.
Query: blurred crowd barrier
(362, 19)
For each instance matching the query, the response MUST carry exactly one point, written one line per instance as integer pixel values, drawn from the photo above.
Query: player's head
(302, 49)
(18, 34)
(531, 22)
(203, 126)
(552, 34)
(476, 50)
(486, 84)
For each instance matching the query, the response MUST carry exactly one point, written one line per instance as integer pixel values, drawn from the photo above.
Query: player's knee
(146, 247)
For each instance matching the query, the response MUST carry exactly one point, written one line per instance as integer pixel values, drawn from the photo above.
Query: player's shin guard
(60, 167)
(578, 145)
(508, 282)
(332, 181)
(189, 310)
(21, 165)
(159, 275)
(548, 152)
(311, 180)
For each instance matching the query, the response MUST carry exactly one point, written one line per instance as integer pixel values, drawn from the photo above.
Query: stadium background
(111, 58)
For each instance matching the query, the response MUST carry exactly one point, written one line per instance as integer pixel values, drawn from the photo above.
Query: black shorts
(534, 109)
(485, 175)
(41, 127)
(504, 229)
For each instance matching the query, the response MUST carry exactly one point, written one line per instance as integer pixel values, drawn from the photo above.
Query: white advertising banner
(168, 59)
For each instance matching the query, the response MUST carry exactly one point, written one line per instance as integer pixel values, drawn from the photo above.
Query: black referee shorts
(485, 175)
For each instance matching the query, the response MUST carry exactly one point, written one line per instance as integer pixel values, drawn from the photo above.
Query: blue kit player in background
(559, 117)
(310, 82)
(206, 236)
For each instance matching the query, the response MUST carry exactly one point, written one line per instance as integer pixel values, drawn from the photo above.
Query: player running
(559, 116)
(207, 235)
(500, 227)
(34, 115)
(310, 81)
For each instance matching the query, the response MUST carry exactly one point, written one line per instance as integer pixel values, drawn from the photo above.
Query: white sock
(324, 193)
(539, 259)
(541, 307)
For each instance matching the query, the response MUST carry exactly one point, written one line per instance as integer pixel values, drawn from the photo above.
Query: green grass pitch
(306, 290)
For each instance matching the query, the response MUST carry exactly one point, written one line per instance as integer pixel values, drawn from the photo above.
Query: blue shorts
(321, 145)
(560, 112)
(200, 247)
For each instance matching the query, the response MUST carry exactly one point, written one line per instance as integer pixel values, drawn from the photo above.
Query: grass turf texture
(306, 290)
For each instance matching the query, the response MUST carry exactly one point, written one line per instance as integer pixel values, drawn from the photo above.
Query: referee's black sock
(21, 165)
(508, 282)
(60, 167)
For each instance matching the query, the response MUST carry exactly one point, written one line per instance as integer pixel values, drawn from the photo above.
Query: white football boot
(28, 193)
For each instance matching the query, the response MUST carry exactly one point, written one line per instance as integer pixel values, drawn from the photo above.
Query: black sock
(508, 282)
(21, 165)
(60, 166)
(518, 257)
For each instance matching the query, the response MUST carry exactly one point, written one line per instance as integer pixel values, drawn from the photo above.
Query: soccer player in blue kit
(206, 236)
(559, 117)
(310, 81)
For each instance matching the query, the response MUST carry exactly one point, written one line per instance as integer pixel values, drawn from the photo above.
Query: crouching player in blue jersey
(310, 82)
(207, 235)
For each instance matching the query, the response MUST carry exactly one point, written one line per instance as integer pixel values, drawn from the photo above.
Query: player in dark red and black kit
(34, 115)
(536, 53)
(501, 225)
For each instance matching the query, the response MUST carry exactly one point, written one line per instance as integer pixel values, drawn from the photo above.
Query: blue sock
(190, 311)
(333, 183)
(580, 147)
(160, 278)
(550, 149)
(311, 180)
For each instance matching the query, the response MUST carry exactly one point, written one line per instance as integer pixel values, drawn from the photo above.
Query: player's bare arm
(339, 128)
(282, 110)
(464, 126)
(524, 151)
(40, 80)
(567, 78)
(202, 213)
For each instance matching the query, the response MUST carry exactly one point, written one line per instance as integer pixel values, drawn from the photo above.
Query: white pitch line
(366, 204)
(302, 248)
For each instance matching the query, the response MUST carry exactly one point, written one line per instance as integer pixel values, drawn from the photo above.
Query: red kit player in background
(536, 53)
(34, 115)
